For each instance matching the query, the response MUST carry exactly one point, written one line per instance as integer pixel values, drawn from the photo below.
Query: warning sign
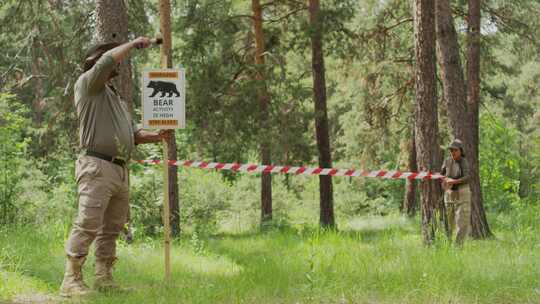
(163, 99)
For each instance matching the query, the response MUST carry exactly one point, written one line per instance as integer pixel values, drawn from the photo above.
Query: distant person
(107, 136)
(457, 194)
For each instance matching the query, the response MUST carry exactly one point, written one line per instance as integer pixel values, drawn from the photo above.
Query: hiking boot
(73, 284)
(104, 280)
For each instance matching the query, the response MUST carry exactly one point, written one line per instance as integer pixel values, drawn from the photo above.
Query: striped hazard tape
(252, 168)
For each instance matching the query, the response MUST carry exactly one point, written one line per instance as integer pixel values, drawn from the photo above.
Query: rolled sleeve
(99, 74)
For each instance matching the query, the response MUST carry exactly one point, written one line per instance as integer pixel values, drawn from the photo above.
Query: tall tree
(409, 201)
(455, 94)
(38, 103)
(480, 227)
(264, 101)
(426, 124)
(166, 61)
(461, 113)
(321, 114)
(112, 26)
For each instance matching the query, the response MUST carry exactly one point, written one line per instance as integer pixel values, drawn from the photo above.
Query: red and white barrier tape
(251, 168)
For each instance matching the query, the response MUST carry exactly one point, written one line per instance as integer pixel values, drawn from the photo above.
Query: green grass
(386, 265)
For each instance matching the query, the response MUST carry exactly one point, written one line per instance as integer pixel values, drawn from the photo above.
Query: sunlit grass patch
(15, 283)
(183, 258)
(377, 223)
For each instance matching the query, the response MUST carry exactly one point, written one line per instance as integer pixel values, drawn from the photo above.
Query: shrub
(13, 144)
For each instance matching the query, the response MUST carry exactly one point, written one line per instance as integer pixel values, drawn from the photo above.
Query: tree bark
(454, 88)
(426, 124)
(166, 62)
(112, 26)
(480, 227)
(409, 202)
(321, 115)
(38, 104)
(453, 82)
(264, 101)
(461, 112)
(525, 171)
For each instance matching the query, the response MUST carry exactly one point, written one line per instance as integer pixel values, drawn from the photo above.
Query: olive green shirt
(456, 169)
(105, 125)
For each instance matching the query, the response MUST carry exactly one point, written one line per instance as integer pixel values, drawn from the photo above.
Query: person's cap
(456, 144)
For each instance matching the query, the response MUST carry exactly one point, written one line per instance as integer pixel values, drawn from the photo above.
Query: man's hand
(448, 182)
(451, 181)
(145, 137)
(142, 42)
(121, 52)
(165, 134)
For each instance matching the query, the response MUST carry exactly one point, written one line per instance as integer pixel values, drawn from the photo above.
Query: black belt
(113, 160)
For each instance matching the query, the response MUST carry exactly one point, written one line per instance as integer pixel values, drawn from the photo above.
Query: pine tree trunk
(38, 103)
(525, 171)
(112, 26)
(166, 61)
(426, 124)
(480, 227)
(409, 202)
(460, 112)
(452, 74)
(321, 116)
(264, 101)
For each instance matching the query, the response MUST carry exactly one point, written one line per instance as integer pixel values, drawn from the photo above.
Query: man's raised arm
(106, 63)
(120, 52)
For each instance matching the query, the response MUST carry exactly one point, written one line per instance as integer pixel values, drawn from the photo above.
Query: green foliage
(372, 101)
(211, 47)
(501, 166)
(27, 194)
(13, 144)
(499, 159)
(520, 222)
(206, 197)
(146, 201)
(357, 197)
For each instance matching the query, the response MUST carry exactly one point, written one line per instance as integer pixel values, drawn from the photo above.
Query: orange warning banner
(162, 75)
(163, 122)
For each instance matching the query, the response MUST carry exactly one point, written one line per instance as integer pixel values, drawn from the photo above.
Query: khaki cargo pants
(458, 207)
(103, 207)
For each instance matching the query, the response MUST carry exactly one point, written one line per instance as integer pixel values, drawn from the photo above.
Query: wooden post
(168, 146)
(166, 212)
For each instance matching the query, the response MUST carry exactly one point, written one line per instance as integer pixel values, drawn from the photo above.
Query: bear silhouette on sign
(163, 87)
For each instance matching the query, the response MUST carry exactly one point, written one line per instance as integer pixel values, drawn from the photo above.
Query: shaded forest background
(369, 53)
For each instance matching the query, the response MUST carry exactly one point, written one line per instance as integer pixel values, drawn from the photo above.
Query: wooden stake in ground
(170, 185)
(166, 212)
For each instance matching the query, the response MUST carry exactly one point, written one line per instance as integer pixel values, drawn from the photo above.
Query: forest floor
(376, 263)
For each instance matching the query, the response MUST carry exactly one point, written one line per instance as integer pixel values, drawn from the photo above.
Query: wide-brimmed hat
(456, 144)
(95, 51)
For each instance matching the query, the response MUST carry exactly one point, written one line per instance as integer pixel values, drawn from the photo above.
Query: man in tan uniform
(457, 195)
(107, 137)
